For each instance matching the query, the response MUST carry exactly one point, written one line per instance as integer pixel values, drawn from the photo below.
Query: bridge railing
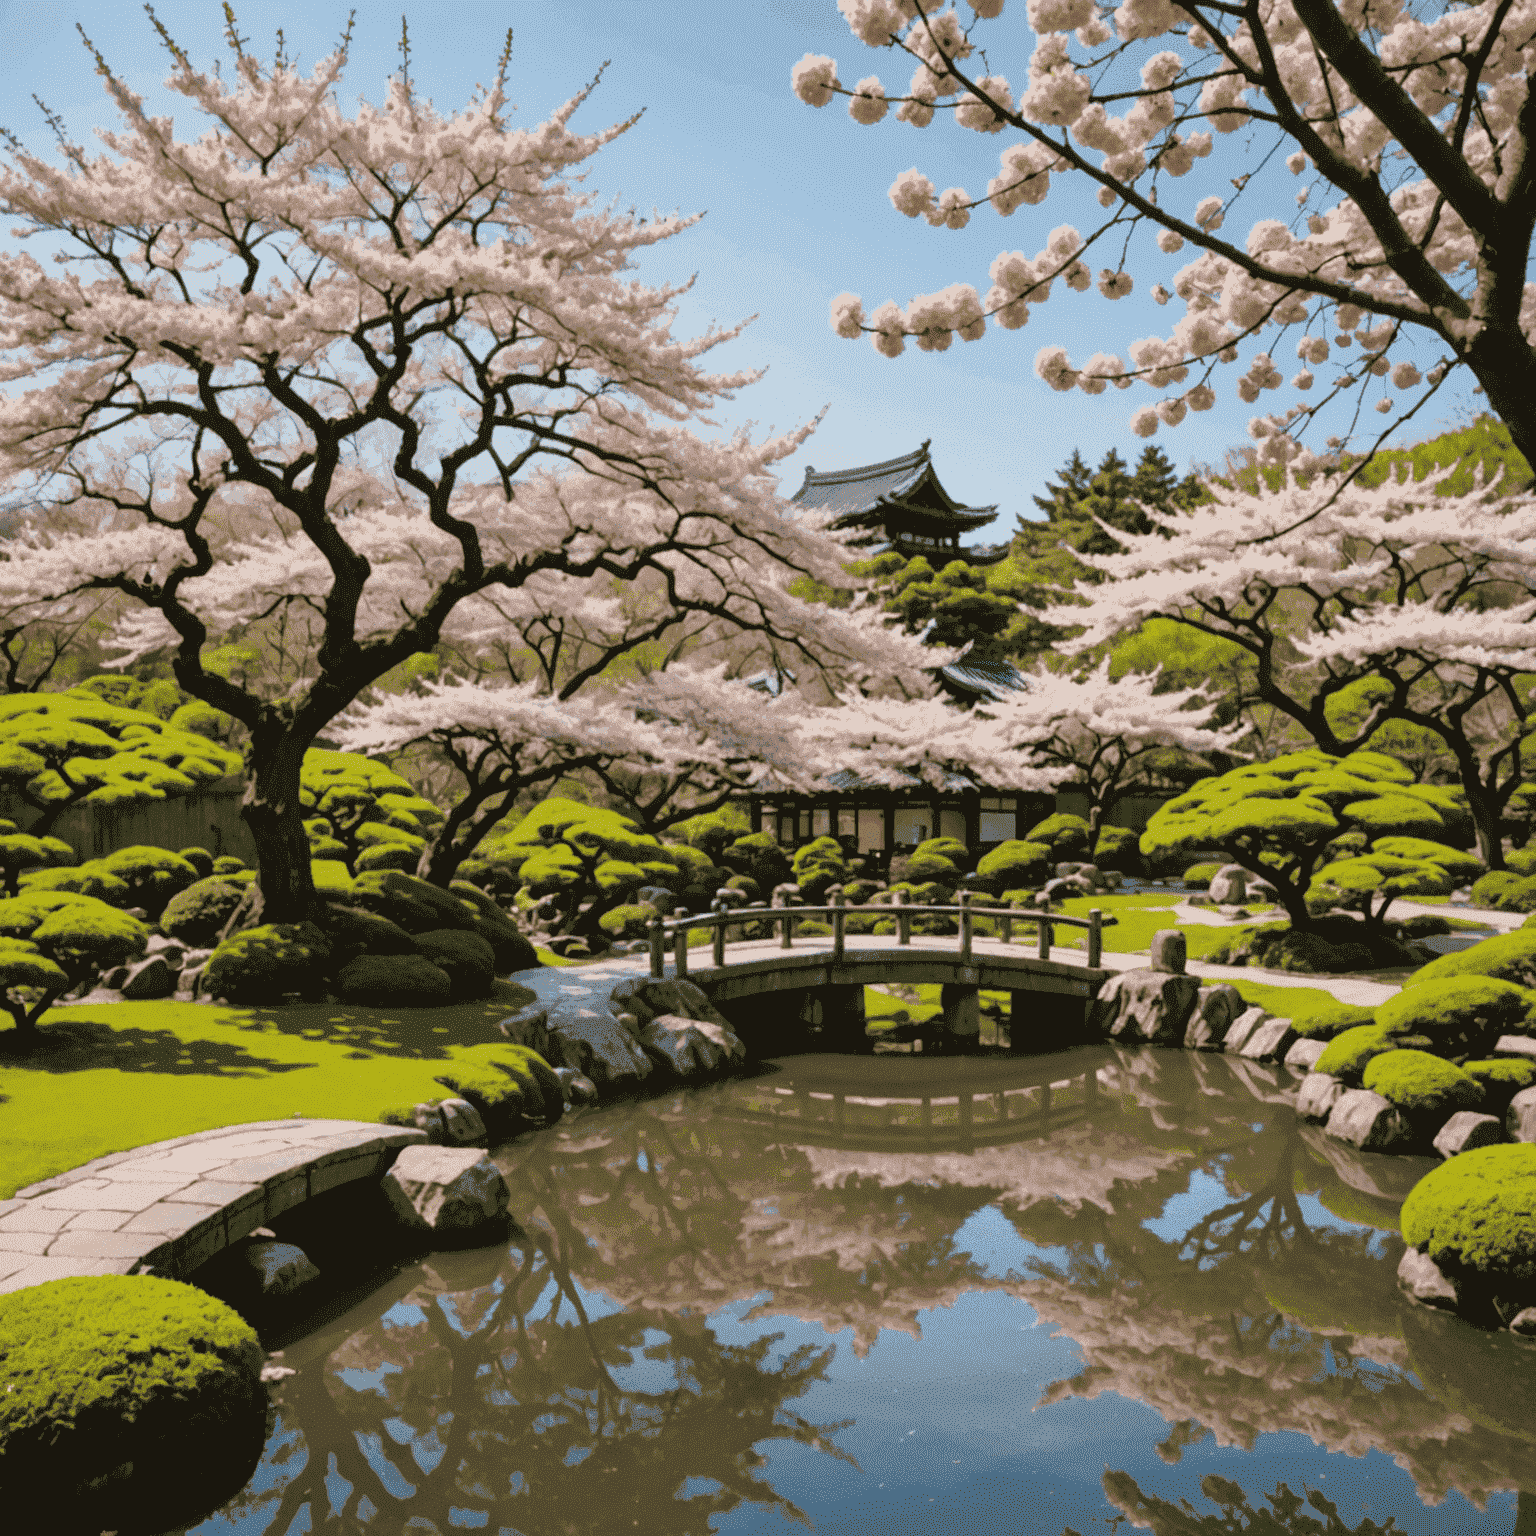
(722, 916)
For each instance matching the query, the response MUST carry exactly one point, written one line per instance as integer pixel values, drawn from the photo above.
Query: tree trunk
(460, 835)
(274, 812)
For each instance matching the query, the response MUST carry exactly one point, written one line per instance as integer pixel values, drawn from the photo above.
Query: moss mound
(1460, 1014)
(1064, 834)
(152, 875)
(629, 921)
(1337, 945)
(1426, 1088)
(1201, 874)
(355, 931)
(1476, 1214)
(394, 981)
(512, 1086)
(513, 949)
(464, 957)
(260, 965)
(198, 914)
(115, 1369)
(1505, 892)
(1500, 1079)
(1347, 1055)
(1510, 957)
(1332, 1019)
(412, 903)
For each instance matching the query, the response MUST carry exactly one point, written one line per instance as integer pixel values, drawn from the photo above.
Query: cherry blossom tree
(1406, 126)
(1429, 595)
(1102, 732)
(348, 371)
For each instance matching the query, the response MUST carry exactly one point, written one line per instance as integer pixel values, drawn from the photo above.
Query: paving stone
(40, 1271)
(193, 1160)
(216, 1192)
(98, 1245)
(1270, 1041)
(12, 1243)
(1467, 1129)
(167, 1220)
(115, 1197)
(97, 1221)
(33, 1217)
(7, 1206)
(1302, 1056)
(262, 1170)
(331, 1175)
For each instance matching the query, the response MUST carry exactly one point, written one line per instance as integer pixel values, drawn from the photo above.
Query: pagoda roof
(873, 492)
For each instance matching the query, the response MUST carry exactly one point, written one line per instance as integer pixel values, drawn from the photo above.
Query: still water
(893, 1295)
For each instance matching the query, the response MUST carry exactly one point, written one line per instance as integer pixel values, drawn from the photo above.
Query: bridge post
(681, 949)
(658, 939)
(1095, 935)
(903, 921)
(839, 931)
(718, 907)
(1044, 926)
(966, 922)
(962, 1016)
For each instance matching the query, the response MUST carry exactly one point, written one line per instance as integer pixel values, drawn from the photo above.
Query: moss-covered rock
(512, 1086)
(260, 966)
(1428, 1089)
(1462, 1015)
(148, 1389)
(152, 875)
(1332, 1019)
(1333, 946)
(355, 931)
(414, 904)
(393, 981)
(198, 914)
(88, 879)
(1476, 1215)
(1501, 1078)
(464, 957)
(1347, 1055)
(1510, 957)
(514, 951)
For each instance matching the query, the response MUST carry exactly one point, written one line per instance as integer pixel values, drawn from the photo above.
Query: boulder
(462, 1125)
(1232, 885)
(691, 1047)
(1169, 951)
(1370, 1122)
(1270, 1041)
(152, 978)
(1215, 1008)
(1242, 1027)
(430, 1118)
(1320, 1091)
(1145, 1005)
(1303, 1054)
(393, 981)
(588, 1039)
(1520, 1121)
(276, 1271)
(577, 1089)
(659, 897)
(1516, 1045)
(1467, 1129)
(450, 1192)
(679, 996)
(1524, 1322)
(528, 1026)
(1420, 1277)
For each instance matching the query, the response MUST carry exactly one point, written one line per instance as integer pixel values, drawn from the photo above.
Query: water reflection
(640, 1360)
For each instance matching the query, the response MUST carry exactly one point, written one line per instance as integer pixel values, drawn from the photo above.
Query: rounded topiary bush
(198, 914)
(260, 966)
(1332, 1019)
(1476, 1216)
(632, 920)
(1505, 891)
(1426, 1088)
(148, 1389)
(88, 879)
(1064, 834)
(1348, 1054)
(394, 981)
(814, 928)
(464, 957)
(858, 892)
(80, 934)
(1501, 1079)
(412, 903)
(1510, 957)
(513, 949)
(152, 875)
(1119, 848)
(355, 931)
(1460, 1014)
(1017, 863)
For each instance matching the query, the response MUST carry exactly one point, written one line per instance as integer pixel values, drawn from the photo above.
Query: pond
(985, 1295)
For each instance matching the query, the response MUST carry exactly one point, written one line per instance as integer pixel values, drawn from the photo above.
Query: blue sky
(795, 203)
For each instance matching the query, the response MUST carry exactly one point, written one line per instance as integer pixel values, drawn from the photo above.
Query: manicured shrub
(89, 879)
(1201, 874)
(30, 983)
(1461, 1014)
(1521, 860)
(330, 878)
(1461, 866)
(393, 981)
(412, 903)
(512, 949)
(1065, 835)
(1333, 946)
(758, 856)
(1119, 848)
(198, 914)
(464, 957)
(1332, 1020)
(228, 864)
(153, 875)
(200, 860)
(1510, 957)
(631, 921)
(1017, 863)
(816, 866)
(1477, 1214)
(78, 933)
(355, 931)
(1347, 1054)
(1501, 1079)
(814, 928)
(857, 892)
(106, 1370)
(714, 831)
(747, 886)
(260, 966)
(391, 854)
(1428, 1089)
(1505, 891)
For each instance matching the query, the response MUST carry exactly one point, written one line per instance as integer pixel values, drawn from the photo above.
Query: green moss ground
(118, 1076)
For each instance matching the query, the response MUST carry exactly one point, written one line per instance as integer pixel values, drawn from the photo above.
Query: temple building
(901, 506)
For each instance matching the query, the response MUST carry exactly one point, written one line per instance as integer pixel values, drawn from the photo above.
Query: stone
(1064, 890)
(1169, 951)
(446, 1191)
(1145, 1005)
(1524, 1322)
(1242, 1027)
(1270, 1041)
(1320, 1091)
(577, 1089)
(1421, 1278)
(1215, 1008)
(152, 978)
(161, 944)
(1368, 1121)
(1303, 1054)
(1467, 1129)
(1516, 1045)
(429, 1118)
(585, 1036)
(629, 997)
(679, 996)
(659, 897)
(691, 1047)
(462, 1124)
(530, 1027)
(1520, 1120)
(276, 1271)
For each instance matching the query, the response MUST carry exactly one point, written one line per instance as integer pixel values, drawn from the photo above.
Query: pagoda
(901, 506)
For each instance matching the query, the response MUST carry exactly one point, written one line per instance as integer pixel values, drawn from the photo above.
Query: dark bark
(272, 809)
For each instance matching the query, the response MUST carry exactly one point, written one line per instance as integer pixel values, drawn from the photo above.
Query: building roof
(897, 494)
(979, 680)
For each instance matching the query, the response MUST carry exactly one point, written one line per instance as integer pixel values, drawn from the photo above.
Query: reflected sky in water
(896, 1295)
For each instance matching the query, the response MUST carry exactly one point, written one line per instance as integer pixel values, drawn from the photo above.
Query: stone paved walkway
(172, 1205)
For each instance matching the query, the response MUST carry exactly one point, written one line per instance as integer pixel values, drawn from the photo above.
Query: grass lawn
(119, 1075)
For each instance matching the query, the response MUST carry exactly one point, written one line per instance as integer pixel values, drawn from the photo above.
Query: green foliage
(1348, 1053)
(1455, 459)
(1201, 874)
(1331, 946)
(393, 981)
(464, 957)
(1477, 1213)
(200, 860)
(758, 857)
(511, 1085)
(1354, 884)
(630, 921)
(1427, 1089)
(1510, 957)
(260, 966)
(413, 903)
(82, 936)
(1119, 848)
(1501, 1079)
(198, 914)
(1505, 891)
(105, 1369)
(713, 832)
(29, 982)
(1016, 863)
(160, 698)
(1462, 1014)
(363, 813)
(354, 931)
(152, 875)
(816, 866)
(938, 860)
(1065, 835)
(1332, 1019)
(956, 600)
